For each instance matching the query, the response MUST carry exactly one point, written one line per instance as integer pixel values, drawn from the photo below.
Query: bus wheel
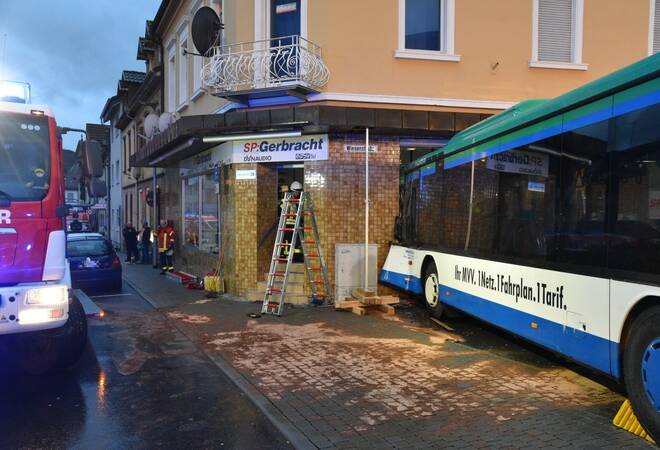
(431, 292)
(641, 364)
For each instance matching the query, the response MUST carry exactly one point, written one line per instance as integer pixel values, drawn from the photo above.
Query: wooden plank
(361, 294)
(442, 324)
(358, 310)
(387, 309)
(347, 304)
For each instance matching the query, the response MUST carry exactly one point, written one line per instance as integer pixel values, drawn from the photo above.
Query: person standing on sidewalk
(166, 237)
(130, 239)
(146, 238)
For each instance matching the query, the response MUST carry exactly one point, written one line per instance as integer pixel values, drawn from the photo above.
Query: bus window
(581, 237)
(483, 230)
(515, 195)
(455, 206)
(428, 206)
(634, 216)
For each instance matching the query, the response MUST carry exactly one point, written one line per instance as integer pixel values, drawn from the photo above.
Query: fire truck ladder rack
(295, 206)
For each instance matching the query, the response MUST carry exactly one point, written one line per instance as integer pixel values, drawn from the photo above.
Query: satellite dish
(206, 28)
(164, 121)
(151, 125)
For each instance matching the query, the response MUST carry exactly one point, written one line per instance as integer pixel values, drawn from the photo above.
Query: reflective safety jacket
(166, 237)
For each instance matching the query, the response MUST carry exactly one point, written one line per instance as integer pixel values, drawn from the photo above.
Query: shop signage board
(295, 149)
(249, 174)
(525, 163)
(357, 148)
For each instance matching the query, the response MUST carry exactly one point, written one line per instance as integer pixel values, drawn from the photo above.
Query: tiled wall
(338, 190)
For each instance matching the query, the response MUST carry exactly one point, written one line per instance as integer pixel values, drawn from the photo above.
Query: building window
(426, 30)
(125, 150)
(423, 24)
(654, 27)
(201, 213)
(171, 78)
(557, 34)
(183, 66)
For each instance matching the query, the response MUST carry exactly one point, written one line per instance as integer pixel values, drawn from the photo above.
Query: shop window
(191, 211)
(201, 212)
(209, 218)
(634, 215)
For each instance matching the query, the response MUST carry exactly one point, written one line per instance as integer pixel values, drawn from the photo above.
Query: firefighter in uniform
(166, 237)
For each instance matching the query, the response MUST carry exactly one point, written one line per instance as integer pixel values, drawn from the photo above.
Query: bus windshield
(24, 157)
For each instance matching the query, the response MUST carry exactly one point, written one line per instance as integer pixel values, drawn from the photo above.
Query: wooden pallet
(361, 300)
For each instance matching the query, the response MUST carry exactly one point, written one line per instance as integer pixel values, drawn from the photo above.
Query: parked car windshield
(91, 247)
(24, 156)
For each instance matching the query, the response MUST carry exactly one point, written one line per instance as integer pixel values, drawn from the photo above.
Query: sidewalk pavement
(335, 380)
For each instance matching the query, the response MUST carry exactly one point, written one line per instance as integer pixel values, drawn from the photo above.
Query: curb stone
(284, 425)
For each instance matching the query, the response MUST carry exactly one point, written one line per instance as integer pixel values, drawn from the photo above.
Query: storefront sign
(200, 163)
(352, 148)
(297, 149)
(250, 174)
(525, 163)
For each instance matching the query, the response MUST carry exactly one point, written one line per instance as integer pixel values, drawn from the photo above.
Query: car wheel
(641, 364)
(431, 291)
(74, 339)
(118, 286)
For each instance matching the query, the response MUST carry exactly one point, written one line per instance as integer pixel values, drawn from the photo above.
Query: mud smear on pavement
(388, 379)
(144, 336)
(189, 318)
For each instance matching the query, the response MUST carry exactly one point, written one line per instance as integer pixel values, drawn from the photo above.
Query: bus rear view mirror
(91, 158)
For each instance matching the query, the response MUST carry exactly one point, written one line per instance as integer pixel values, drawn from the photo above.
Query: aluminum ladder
(296, 206)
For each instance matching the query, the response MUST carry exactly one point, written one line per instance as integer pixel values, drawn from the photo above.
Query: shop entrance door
(286, 175)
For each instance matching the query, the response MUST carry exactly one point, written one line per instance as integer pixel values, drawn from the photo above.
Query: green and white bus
(544, 220)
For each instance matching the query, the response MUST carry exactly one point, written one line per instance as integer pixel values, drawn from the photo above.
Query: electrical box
(349, 268)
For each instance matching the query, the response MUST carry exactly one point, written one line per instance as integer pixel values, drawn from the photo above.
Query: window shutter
(555, 30)
(656, 28)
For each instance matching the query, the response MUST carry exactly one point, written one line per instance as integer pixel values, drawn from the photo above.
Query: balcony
(278, 67)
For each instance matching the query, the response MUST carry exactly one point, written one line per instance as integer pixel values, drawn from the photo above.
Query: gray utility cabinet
(349, 268)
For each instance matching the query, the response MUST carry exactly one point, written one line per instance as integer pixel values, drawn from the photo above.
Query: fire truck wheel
(38, 353)
(641, 365)
(74, 339)
(431, 294)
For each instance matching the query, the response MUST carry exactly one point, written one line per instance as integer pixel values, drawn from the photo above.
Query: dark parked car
(94, 263)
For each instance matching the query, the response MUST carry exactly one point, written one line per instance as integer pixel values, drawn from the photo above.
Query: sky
(72, 52)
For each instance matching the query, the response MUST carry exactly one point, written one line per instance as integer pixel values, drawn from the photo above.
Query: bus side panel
(563, 312)
(623, 298)
(402, 269)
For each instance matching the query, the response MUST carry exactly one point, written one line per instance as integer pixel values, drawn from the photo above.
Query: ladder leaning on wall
(297, 224)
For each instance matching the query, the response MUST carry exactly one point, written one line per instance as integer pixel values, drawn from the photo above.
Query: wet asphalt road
(140, 384)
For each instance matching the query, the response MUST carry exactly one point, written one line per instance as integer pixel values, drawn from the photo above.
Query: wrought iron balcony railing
(290, 62)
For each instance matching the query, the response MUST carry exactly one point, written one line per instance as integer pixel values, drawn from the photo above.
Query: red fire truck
(41, 325)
